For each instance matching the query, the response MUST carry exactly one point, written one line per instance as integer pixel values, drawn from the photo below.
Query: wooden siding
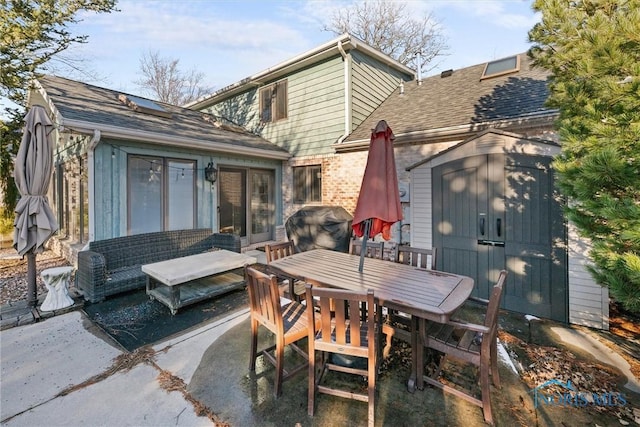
(242, 110)
(111, 184)
(315, 110)
(372, 83)
(421, 213)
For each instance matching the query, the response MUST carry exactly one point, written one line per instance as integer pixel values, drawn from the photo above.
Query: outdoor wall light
(210, 173)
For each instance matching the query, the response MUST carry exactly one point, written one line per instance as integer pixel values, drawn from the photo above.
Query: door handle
(499, 226)
(484, 242)
(482, 226)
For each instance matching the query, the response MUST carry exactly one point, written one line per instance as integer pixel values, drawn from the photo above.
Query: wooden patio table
(427, 294)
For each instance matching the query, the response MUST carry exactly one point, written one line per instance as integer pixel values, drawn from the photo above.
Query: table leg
(175, 299)
(413, 378)
(421, 325)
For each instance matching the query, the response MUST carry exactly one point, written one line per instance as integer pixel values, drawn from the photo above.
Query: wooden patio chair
(274, 251)
(398, 324)
(342, 334)
(417, 257)
(374, 249)
(288, 323)
(472, 343)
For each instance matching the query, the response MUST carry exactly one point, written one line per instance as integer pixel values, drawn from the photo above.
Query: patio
(223, 384)
(210, 368)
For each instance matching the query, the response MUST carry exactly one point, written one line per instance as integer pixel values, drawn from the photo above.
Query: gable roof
(488, 137)
(460, 104)
(343, 43)
(86, 108)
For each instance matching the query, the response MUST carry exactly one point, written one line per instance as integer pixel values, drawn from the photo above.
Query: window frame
(514, 69)
(276, 108)
(164, 171)
(312, 184)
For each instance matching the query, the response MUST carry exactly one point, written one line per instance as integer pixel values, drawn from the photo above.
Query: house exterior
(127, 165)
(473, 150)
(307, 105)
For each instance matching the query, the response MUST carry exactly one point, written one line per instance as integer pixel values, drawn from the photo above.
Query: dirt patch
(13, 274)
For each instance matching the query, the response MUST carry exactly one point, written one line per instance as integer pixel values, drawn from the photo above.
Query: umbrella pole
(365, 237)
(32, 290)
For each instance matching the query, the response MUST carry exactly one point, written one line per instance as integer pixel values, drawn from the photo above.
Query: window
(273, 102)
(161, 194)
(70, 198)
(501, 67)
(307, 184)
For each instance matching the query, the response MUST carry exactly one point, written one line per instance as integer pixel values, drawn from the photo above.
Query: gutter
(461, 131)
(347, 91)
(95, 140)
(115, 132)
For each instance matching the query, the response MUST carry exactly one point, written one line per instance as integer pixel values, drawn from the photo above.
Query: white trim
(117, 132)
(514, 124)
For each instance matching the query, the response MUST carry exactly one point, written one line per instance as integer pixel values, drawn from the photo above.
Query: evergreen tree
(32, 33)
(592, 48)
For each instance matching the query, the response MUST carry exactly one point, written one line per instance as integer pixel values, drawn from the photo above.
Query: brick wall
(342, 175)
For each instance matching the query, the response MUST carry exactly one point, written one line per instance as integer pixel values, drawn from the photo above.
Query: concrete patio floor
(60, 372)
(222, 383)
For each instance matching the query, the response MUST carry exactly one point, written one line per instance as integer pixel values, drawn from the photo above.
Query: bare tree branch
(390, 28)
(164, 81)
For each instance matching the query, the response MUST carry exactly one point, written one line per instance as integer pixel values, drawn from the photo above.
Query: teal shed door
(499, 211)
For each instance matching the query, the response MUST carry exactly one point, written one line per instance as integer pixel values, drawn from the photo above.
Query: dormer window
(501, 67)
(273, 102)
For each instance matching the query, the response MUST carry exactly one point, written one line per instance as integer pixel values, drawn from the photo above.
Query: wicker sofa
(112, 266)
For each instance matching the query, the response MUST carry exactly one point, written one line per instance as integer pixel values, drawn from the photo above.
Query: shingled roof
(87, 107)
(461, 101)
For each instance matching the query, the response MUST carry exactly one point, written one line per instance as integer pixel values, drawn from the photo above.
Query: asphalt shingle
(92, 104)
(461, 99)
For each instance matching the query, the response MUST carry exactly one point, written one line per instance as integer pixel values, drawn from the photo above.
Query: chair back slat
(325, 325)
(339, 333)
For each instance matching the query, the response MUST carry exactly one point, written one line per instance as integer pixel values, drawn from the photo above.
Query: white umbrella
(35, 222)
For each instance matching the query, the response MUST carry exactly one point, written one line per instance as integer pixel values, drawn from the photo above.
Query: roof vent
(446, 73)
(142, 105)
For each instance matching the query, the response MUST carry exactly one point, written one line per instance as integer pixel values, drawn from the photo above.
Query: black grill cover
(320, 227)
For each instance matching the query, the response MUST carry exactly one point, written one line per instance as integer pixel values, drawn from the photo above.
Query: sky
(230, 40)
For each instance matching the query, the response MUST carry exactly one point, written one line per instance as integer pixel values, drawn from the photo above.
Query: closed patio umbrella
(35, 222)
(378, 206)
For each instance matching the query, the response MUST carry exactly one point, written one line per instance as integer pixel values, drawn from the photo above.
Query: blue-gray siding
(111, 180)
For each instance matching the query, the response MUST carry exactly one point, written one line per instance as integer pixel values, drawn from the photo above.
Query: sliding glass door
(247, 203)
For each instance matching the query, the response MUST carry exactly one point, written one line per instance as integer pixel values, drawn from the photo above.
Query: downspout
(95, 140)
(347, 92)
